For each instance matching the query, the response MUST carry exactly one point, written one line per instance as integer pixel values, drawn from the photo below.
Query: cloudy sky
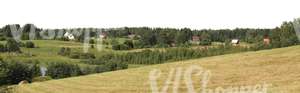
(196, 14)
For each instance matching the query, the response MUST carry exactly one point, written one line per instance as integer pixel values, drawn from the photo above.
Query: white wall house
(102, 36)
(235, 41)
(69, 35)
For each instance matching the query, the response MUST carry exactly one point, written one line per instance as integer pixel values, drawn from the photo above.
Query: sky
(195, 14)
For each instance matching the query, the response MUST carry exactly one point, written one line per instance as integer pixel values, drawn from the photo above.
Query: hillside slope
(279, 67)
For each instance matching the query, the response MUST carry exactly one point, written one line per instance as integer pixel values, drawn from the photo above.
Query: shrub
(129, 44)
(116, 47)
(87, 56)
(41, 79)
(205, 42)
(3, 72)
(17, 72)
(112, 66)
(29, 44)
(62, 70)
(14, 72)
(12, 46)
(77, 55)
(120, 47)
(64, 39)
(2, 38)
(92, 46)
(64, 51)
(21, 44)
(101, 68)
(92, 41)
(2, 48)
(124, 47)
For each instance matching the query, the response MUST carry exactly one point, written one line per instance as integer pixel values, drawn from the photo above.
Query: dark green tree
(12, 46)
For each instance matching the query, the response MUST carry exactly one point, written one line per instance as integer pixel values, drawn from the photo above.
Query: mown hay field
(279, 68)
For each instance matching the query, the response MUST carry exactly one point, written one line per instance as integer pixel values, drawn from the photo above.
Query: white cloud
(153, 13)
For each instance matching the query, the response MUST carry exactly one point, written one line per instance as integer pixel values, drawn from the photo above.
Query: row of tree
(165, 55)
(14, 46)
(167, 37)
(13, 72)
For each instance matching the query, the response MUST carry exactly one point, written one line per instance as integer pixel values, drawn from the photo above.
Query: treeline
(65, 51)
(13, 72)
(12, 45)
(145, 37)
(165, 55)
(166, 37)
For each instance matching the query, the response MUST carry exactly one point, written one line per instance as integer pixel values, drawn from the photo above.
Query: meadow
(47, 51)
(278, 67)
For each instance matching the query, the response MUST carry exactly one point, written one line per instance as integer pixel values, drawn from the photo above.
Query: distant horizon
(21, 25)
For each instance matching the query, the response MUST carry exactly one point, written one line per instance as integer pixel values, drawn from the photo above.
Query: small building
(266, 40)
(131, 36)
(195, 38)
(69, 35)
(103, 35)
(235, 41)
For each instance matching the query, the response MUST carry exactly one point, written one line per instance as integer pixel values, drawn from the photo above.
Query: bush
(64, 51)
(129, 44)
(205, 42)
(77, 55)
(3, 72)
(112, 66)
(92, 46)
(21, 44)
(92, 41)
(17, 72)
(120, 47)
(87, 56)
(41, 79)
(29, 44)
(116, 47)
(12, 46)
(62, 70)
(2, 38)
(14, 72)
(64, 39)
(2, 48)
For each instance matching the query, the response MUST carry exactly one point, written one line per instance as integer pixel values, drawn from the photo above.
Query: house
(69, 35)
(266, 40)
(195, 38)
(235, 41)
(103, 35)
(131, 36)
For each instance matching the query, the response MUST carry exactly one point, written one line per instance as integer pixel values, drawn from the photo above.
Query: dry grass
(279, 67)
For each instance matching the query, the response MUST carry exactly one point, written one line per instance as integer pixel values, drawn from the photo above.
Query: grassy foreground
(279, 67)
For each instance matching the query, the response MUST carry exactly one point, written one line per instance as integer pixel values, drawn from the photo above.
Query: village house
(266, 40)
(235, 41)
(69, 35)
(195, 38)
(132, 36)
(103, 35)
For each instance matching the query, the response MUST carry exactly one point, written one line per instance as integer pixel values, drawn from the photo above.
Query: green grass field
(47, 51)
(279, 67)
